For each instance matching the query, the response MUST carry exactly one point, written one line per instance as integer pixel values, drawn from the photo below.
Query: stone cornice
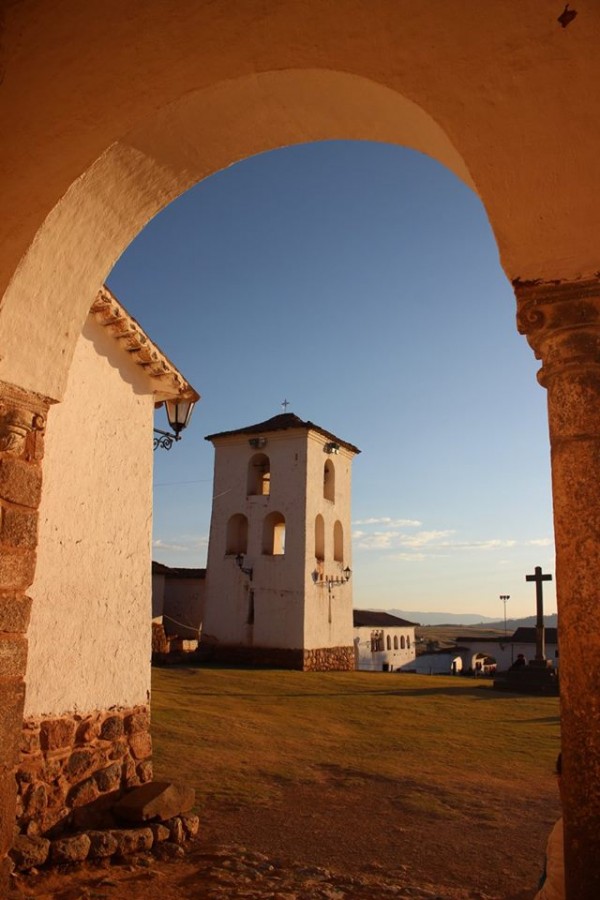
(561, 321)
(21, 413)
(108, 312)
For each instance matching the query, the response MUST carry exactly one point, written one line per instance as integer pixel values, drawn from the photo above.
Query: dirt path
(343, 837)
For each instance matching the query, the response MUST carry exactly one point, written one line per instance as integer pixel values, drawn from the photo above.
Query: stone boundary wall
(324, 659)
(329, 659)
(73, 767)
(164, 839)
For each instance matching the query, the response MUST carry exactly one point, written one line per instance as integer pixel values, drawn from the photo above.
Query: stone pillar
(562, 324)
(22, 420)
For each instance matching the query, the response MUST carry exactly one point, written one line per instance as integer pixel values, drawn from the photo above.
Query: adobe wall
(328, 616)
(279, 608)
(86, 714)
(89, 637)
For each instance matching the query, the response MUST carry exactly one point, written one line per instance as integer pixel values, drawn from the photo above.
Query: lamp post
(179, 413)
(331, 581)
(504, 598)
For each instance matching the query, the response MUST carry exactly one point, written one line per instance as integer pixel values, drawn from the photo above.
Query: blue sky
(361, 282)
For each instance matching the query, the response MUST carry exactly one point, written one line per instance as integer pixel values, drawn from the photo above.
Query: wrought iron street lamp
(179, 413)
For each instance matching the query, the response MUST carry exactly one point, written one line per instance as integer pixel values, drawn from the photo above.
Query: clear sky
(361, 282)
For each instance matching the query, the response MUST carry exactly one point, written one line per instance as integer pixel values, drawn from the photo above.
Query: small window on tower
(274, 535)
(338, 542)
(319, 538)
(329, 480)
(237, 534)
(259, 475)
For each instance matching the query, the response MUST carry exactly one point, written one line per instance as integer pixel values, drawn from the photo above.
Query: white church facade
(278, 585)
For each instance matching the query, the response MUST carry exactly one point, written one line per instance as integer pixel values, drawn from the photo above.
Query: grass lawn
(242, 736)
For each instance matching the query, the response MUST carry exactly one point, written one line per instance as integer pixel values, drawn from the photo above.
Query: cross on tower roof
(284, 404)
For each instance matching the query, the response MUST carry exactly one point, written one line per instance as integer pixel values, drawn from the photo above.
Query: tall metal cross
(540, 649)
(284, 404)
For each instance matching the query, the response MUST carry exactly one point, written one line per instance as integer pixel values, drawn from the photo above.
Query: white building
(505, 650)
(382, 642)
(437, 662)
(278, 587)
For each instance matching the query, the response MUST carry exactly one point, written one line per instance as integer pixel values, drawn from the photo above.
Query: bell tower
(278, 584)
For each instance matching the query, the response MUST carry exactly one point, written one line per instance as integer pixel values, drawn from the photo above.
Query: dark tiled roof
(367, 618)
(472, 639)
(523, 635)
(527, 636)
(283, 422)
(176, 572)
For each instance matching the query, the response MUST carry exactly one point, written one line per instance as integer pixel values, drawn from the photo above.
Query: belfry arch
(106, 125)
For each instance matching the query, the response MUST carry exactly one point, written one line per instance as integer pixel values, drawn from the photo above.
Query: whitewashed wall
(374, 661)
(89, 638)
(319, 631)
(290, 610)
(434, 664)
(504, 652)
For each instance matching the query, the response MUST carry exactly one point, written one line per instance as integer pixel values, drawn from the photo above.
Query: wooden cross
(540, 650)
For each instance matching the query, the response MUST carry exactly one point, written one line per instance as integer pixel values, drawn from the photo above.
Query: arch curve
(138, 175)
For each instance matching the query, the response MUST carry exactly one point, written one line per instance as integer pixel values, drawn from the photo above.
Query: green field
(240, 735)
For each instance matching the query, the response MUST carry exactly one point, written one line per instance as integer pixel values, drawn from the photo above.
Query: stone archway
(113, 113)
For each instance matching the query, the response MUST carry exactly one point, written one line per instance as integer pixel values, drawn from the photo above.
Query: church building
(278, 586)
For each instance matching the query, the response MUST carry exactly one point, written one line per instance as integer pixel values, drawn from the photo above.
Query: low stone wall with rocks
(324, 659)
(164, 839)
(154, 816)
(73, 768)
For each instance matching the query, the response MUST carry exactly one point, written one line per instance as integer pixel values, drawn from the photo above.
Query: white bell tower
(278, 583)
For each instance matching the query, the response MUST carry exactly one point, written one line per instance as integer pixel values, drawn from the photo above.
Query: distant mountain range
(447, 618)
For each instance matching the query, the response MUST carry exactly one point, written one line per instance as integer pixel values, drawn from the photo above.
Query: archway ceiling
(148, 98)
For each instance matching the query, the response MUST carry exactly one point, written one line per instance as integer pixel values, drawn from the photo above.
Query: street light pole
(504, 598)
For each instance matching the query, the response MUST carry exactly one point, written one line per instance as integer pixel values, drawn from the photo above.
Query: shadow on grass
(542, 720)
(477, 693)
